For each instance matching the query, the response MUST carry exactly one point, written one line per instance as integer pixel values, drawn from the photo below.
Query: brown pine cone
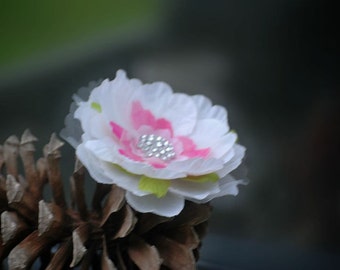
(111, 235)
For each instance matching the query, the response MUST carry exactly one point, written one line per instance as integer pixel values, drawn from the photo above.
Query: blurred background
(273, 64)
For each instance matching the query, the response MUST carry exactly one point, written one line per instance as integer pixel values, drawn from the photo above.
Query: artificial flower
(161, 147)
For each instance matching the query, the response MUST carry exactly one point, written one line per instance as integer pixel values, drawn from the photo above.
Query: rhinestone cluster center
(156, 146)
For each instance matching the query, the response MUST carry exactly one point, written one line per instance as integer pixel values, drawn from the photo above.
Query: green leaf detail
(211, 177)
(96, 106)
(159, 187)
(116, 166)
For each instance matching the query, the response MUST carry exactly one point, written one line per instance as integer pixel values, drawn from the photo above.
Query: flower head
(161, 147)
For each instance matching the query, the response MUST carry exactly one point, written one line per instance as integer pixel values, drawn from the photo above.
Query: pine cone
(110, 236)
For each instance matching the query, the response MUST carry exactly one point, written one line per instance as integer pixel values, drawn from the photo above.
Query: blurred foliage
(28, 27)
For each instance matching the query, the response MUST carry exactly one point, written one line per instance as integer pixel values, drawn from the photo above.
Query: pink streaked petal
(187, 143)
(189, 148)
(129, 154)
(158, 165)
(163, 124)
(197, 153)
(116, 129)
(141, 117)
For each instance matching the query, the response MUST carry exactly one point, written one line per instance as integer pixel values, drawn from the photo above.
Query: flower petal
(223, 145)
(141, 117)
(189, 148)
(207, 131)
(93, 164)
(106, 173)
(196, 166)
(102, 149)
(192, 190)
(117, 130)
(115, 98)
(179, 109)
(107, 151)
(182, 114)
(168, 206)
(72, 131)
(123, 178)
(207, 111)
(154, 97)
(227, 186)
(239, 152)
(99, 126)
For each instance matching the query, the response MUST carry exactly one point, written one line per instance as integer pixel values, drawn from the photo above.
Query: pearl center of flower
(156, 146)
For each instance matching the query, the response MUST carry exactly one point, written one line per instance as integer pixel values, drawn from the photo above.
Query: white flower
(161, 147)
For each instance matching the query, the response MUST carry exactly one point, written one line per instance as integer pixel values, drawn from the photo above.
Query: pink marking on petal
(189, 148)
(163, 124)
(128, 153)
(116, 129)
(198, 153)
(127, 142)
(141, 117)
(158, 165)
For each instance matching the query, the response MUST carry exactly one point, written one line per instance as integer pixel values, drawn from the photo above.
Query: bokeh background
(273, 64)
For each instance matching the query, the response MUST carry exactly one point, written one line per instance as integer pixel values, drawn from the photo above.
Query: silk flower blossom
(161, 147)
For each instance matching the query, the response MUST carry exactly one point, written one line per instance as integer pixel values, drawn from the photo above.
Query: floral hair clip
(159, 157)
(161, 147)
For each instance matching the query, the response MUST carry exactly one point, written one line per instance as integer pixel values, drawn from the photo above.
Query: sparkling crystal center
(156, 146)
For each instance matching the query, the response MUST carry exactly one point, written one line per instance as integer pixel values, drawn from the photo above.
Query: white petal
(236, 160)
(164, 173)
(93, 165)
(228, 155)
(227, 185)
(203, 104)
(99, 127)
(207, 131)
(196, 166)
(103, 150)
(115, 99)
(88, 92)
(72, 131)
(223, 145)
(182, 113)
(85, 114)
(206, 110)
(122, 179)
(192, 190)
(103, 172)
(147, 170)
(170, 205)
(154, 97)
